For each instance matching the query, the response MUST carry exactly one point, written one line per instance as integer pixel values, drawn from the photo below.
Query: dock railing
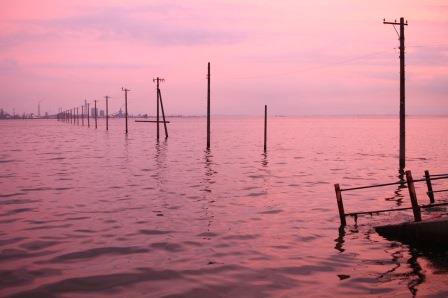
(412, 194)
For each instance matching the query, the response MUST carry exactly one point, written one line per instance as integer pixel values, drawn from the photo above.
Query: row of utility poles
(69, 115)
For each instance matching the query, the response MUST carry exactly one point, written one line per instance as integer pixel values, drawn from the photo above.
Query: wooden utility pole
(107, 112)
(265, 128)
(126, 106)
(208, 106)
(402, 23)
(96, 114)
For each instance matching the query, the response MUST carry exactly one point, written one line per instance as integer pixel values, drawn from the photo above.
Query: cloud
(157, 25)
(8, 66)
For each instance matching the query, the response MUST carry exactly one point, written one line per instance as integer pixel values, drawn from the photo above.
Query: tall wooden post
(413, 196)
(208, 106)
(96, 115)
(402, 161)
(88, 115)
(107, 112)
(337, 189)
(158, 94)
(126, 106)
(82, 115)
(77, 116)
(402, 99)
(265, 127)
(429, 185)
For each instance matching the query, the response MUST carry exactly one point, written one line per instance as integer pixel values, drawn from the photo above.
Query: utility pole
(158, 80)
(107, 112)
(88, 115)
(126, 106)
(402, 23)
(96, 114)
(208, 106)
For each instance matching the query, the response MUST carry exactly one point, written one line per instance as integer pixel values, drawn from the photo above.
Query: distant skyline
(298, 57)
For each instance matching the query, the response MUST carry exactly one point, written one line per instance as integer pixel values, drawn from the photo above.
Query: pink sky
(299, 57)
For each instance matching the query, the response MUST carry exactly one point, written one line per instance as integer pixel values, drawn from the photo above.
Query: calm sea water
(86, 212)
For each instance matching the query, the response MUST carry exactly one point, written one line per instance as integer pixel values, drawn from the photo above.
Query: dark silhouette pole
(208, 106)
(158, 80)
(265, 127)
(77, 116)
(107, 112)
(402, 23)
(163, 115)
(96, 122)
(126, 106)
(82, 115)
(88, 115)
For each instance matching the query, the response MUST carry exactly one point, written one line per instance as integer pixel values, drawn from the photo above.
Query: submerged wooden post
(77, 116)
(265, 127)
(126, 106)
(96, 114)
(429, 185)
(88, 115)
(337, 189)
(208, 106)
(107, 112)
(413, 196)
(82, 115)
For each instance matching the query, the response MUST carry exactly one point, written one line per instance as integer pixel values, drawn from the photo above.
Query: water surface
(86, 212)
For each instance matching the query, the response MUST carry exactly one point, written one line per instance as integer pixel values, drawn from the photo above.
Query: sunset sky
(299, 57)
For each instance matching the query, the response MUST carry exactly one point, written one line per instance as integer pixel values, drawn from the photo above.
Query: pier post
(88, 115)
(429, 185)
(77, 116)
(413, 196)
(107, 112)
(96, 115)
(82, 115)
(208, 106)
(337, 189)
(265, 128)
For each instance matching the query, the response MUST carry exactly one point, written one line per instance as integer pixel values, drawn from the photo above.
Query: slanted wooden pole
(337, 189)
(96, 115)
(413, 196)
(429, 185)
(265, 128)
(107, 112)
(208, 106)
(163, 115)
